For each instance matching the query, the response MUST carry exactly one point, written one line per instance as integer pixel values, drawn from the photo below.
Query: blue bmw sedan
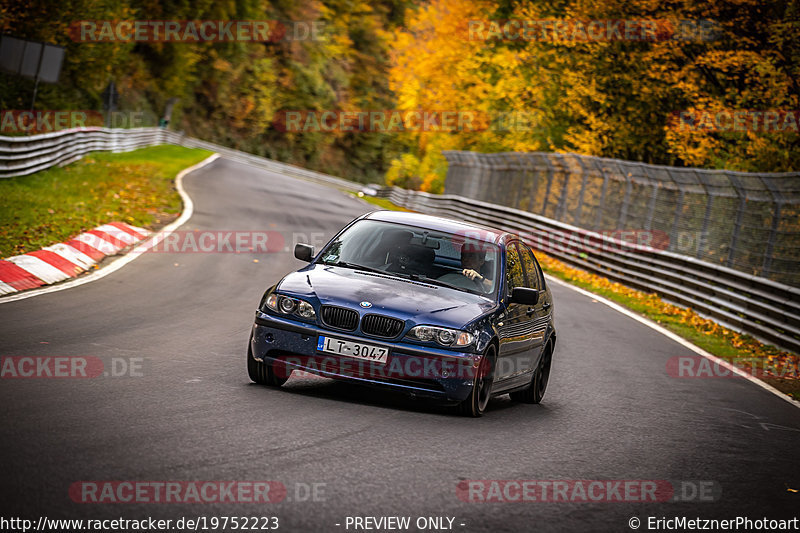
(440, 309)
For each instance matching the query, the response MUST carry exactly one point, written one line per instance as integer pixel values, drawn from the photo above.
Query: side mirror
(304, 252)
(524, 296)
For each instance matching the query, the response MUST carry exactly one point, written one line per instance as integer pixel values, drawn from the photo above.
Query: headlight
(423, 333)
(287, 305)
(443, 336)
(290, 306)
(446, 336)
(305, 309)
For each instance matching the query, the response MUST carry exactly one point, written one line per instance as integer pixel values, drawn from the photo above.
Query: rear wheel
(262, 373)
(534, 392)
(478, 399)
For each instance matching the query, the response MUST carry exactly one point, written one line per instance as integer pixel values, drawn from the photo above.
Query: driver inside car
(472, 263)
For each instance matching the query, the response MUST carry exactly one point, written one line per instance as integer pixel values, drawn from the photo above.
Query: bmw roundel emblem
(365, 305)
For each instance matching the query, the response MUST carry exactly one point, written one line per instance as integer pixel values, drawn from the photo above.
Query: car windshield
(459, 261)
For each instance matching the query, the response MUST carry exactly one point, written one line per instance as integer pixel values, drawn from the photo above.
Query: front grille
(381, 326)
(339, 317)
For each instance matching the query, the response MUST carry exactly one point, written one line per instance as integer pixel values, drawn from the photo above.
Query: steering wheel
(458, 279)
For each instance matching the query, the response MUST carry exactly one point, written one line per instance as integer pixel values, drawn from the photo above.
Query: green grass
(53, 205)
(718, 346)
(382, 203)
(714, 343)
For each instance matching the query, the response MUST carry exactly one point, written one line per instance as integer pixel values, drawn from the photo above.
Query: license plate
(357, 350)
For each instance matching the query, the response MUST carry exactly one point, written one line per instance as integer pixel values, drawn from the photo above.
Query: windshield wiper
(355, 266)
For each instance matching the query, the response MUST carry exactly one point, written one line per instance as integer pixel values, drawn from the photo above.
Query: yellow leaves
(222, 65)
(765, 356)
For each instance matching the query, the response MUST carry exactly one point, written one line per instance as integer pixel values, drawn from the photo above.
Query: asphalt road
(611, 411)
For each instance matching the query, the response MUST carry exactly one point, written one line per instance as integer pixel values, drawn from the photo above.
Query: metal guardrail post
(561, 208)
(623, 211)
(737, 224)
(702, 240)
(778, 200)
(476, 184)
(603, 192)
(530, 162)
(502, 182)
(673, 237)
(651, 205)
(457, 173)
(582, 193)
(546, 159)
(522, 172)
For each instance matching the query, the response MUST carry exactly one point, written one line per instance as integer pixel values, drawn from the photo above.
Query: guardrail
(749, 221)
(756, 305)
(20, 156)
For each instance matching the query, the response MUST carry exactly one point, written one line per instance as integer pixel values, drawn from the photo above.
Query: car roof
(445, 225)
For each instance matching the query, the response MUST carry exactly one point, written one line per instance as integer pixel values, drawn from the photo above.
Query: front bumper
(423, 371)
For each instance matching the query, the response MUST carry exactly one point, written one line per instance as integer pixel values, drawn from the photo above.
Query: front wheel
(478, 398)
(535, 391)
(262, 373)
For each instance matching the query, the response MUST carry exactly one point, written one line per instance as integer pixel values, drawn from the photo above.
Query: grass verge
(53, 205)
(382, 203)
(776, 367)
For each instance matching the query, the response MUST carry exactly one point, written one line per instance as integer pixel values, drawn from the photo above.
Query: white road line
(677, 338)
(41, 269)
(188, 209)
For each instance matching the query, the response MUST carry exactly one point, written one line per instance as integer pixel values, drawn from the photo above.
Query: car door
(541, 311)
(515, 329)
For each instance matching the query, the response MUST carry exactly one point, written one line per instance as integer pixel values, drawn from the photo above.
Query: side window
(515, 276)
(531, 268)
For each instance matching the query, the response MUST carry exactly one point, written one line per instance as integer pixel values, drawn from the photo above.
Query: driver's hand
(471, 274)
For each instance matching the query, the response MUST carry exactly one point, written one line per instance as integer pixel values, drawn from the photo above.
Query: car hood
(405, 299)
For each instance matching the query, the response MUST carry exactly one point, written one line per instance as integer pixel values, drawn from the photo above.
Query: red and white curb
(188, 209)
(67, 259)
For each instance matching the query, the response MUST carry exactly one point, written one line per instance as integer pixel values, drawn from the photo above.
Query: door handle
(530, 311)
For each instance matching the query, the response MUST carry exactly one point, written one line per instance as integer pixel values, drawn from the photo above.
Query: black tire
(534, 392)
(475, 404)
(262, 373)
